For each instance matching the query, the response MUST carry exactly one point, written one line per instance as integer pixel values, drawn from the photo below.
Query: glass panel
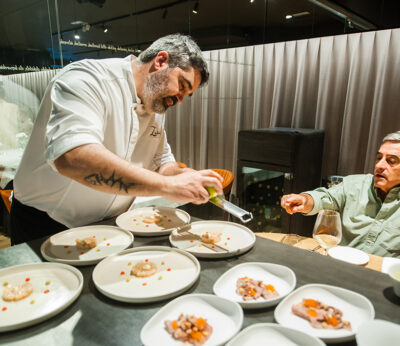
(262, 192)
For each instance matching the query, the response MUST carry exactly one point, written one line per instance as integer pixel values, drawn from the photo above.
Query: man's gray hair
(183, 52)
(392, 137)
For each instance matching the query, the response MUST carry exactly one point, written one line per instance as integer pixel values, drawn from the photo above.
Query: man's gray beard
(155, 89)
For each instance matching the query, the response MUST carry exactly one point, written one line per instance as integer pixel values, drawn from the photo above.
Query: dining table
(94, 319)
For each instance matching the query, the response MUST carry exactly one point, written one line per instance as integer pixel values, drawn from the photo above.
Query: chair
(228, 180)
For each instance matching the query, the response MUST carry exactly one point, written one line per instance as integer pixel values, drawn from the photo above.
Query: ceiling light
(76, 36)
(78, 22)
(289, 16)
(104, 28)
(251, 1)
(196, 8)
(164, 15)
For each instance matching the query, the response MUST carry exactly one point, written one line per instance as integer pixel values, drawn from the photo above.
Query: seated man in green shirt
(369, 204)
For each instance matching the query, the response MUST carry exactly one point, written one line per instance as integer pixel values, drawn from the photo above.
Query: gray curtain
(347, 85)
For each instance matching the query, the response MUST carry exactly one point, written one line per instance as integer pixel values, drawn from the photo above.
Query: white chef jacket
(90, 101)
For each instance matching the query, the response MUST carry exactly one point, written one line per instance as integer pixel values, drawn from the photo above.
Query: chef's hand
(293, 203)
(190, 186)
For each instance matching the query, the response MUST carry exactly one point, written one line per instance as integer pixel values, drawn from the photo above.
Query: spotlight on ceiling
(297, 15)
(164, 15)
(196, 8)
(289, 16)
(251, 1)
(105, 29)
(76, 36)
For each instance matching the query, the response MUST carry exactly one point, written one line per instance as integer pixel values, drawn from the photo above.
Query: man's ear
(161, 60)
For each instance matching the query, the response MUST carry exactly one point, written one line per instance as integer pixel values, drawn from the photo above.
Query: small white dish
(176, 271)
(282, 278)
(61, 247)
(378, 332)
(55, 287)
(349, 254)
(224, 316)
(236, 238)
(272, 334)
(356, 309)
(133, 221)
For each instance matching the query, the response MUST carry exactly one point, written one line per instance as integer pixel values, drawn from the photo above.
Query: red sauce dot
(212, 247)
(27, 279)
(169, 220)
(4, 309)
(66, 246)
(94, 236)
(134, 219)
(191, 241)
(144, 284)
(108, 244)
(228, 238)
(122, 273)
(169, 269)
(47, 291)
(146, 260)
(82, 253)
(147, 225)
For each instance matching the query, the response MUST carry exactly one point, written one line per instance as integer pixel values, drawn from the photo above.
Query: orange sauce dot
(94, 236)
(122, 273)
(169, 269)
(4, 309)
(108, 244)
(147, 225)
(134, 219)
(146, 260)
(192, 241)
(47, 291)
(144, 284)
(228, 238)
(212, 247)
(27, 279)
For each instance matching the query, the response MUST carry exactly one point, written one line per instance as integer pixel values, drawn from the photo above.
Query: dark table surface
(94, 319)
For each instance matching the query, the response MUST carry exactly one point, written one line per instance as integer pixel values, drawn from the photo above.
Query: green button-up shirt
(368, 223)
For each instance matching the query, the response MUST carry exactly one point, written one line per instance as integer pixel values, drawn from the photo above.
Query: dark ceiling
(30, 27)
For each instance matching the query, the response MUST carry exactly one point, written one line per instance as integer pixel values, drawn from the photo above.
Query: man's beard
(156, 91)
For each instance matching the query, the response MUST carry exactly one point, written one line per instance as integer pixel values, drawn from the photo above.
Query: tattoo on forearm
(97, 179)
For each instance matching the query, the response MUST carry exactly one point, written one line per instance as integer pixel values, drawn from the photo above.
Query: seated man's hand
(294, 203)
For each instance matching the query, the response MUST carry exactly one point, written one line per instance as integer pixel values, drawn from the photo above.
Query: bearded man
(99, 140)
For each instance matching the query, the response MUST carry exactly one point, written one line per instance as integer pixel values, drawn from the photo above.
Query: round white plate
(349, 254)
(378, 332)
(61, 247)
(224, 316)
(55, 287)
(171, 218)
(356, 309)
(281, 277)
(176, 271)
(236, 238)
(265, 334)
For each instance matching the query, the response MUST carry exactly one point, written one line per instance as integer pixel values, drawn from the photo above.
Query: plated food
(256, 285)
(146, 274)
(250, 289)
(228, 238)
(309, 306)
(196, 318)
(32, 293)
(152, 221)
(86, 245)
(189, 328)
(320, 315)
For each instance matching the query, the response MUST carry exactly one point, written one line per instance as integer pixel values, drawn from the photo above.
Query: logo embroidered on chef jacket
(155, 132)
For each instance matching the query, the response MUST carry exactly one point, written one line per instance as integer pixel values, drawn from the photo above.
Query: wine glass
(328, 229)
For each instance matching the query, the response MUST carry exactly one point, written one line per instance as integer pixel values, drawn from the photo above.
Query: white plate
(378, 332)
(272, 334)
(235, 237)
(176, 271)
(61, 247)
(349, 254)
(281, 277)
(171, 218)
(224, 316)
(356, 309)
(55, 287)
